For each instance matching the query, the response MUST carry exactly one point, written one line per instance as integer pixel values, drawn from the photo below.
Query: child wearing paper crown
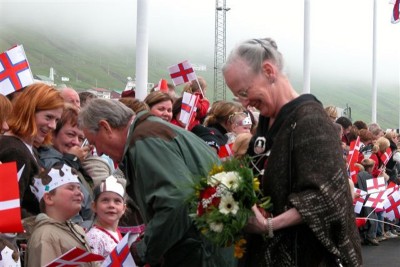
(60, 197)
(108, 206)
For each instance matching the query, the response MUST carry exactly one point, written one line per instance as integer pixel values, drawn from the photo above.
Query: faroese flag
(14, 70)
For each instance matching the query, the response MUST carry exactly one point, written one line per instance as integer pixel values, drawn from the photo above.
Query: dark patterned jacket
(318, 189)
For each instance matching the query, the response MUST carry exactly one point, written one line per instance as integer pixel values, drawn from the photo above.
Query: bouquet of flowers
(222, 202)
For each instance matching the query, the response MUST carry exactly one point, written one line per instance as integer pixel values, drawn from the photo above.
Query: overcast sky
(341, 30)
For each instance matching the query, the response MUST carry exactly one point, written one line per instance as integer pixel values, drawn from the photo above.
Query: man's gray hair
(254, 52)
(114, 112)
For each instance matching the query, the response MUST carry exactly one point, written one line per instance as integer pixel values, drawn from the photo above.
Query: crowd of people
(374, 143)
(92, 167)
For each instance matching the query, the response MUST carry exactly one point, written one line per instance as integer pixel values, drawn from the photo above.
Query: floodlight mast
(220, 49)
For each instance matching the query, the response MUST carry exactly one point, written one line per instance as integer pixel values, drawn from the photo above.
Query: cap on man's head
(128, 93)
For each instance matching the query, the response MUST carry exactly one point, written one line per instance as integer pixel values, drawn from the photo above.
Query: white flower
(216, 227)
(216, 178)
(228, 205)
(231, 180)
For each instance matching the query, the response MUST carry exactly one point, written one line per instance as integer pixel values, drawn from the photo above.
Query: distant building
(43, 79)
(101, 92)
(115, 95)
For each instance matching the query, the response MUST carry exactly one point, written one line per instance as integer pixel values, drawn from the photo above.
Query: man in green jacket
(160, 162)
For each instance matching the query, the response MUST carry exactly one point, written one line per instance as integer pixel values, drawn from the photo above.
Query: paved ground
(387, 254)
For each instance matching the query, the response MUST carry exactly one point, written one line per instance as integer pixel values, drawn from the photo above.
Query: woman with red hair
(34, 116)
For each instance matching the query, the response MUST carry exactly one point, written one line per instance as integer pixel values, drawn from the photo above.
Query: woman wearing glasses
(313, 218)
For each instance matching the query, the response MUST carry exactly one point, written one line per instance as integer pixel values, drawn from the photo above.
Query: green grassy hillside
(96, 65)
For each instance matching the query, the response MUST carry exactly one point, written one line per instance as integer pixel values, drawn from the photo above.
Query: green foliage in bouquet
(222, 201)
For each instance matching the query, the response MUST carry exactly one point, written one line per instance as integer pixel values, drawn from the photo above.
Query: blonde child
(60, 197)
(240, 122)
(108, 206)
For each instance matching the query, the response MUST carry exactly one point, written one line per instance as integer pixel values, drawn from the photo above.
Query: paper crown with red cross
(51, 179)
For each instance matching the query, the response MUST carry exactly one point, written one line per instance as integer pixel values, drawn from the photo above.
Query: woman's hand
(80, 152)
(257, 223)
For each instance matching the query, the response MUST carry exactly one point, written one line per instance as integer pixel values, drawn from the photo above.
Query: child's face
(68, 199)
(109, 208)
(238, 129)
(241, 125)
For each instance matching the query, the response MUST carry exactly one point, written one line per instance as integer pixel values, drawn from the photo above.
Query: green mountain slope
(97, 65)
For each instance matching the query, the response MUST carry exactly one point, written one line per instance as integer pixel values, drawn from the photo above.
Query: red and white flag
(182, 73)
(226, 152)
(121, 256)
(359, 201)
(162, 86)
(352, 159)
(391, 188)
(75, 257)
(354, 150)
(9, 199)
(396, 9)
(386, 156)
(392, 206)
(376, 185)
(14, 70)
(188, 108)
(376, 200)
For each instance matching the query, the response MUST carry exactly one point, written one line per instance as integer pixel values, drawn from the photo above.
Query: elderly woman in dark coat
(314, 222)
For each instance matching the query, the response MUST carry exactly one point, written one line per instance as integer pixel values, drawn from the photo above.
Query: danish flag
(121, 256)
(9, 199)
(182, 73)
(392, 206)
(359, 201)
(14, 70)
(352, 158)
(225, 152)
(75, 257)
(386, 156)
(376, 185)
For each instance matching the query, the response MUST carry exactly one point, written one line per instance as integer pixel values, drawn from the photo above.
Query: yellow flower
(256, 184)
(216, 169)
(239, 248)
